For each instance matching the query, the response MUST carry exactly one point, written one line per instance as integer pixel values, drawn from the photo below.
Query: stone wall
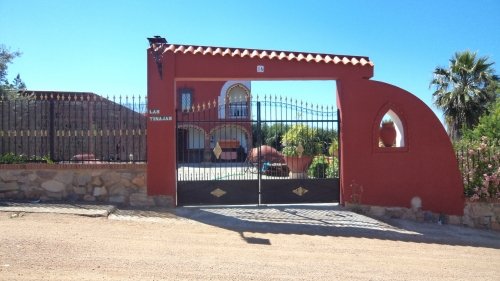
(120, 184)
(482, 215)
(485, 215)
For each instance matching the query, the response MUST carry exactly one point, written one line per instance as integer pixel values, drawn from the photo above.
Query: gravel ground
(244, 243)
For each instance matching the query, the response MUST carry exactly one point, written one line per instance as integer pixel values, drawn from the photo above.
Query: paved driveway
(318, 219)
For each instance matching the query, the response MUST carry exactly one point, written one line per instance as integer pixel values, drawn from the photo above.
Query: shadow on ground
(323, 220)
(333, 220)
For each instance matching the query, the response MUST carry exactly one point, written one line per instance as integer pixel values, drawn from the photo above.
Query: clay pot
(267, 154)
(298, 164)
(387, 134)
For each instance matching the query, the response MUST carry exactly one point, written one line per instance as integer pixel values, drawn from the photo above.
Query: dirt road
(240, 244)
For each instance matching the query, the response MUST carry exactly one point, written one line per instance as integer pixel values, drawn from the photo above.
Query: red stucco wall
(426, 167)
(203, 91)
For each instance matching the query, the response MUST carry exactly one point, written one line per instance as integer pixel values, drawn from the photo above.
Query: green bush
(321, 168)
(333, 168)
(318, 167)
(11, 158)
(301, 135)
(334, 147)
(488, 126)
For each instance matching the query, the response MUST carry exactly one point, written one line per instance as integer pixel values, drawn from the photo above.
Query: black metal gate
(246, 151)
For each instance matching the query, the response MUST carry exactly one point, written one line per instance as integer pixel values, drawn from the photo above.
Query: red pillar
(161, 134)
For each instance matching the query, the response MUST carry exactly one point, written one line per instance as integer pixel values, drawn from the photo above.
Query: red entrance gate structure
(421, 164)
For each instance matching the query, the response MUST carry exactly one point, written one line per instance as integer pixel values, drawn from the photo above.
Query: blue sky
(100, 46)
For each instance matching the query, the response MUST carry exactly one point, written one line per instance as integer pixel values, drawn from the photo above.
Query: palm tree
(464, 90)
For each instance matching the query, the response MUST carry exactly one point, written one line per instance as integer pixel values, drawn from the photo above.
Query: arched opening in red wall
(390, 121)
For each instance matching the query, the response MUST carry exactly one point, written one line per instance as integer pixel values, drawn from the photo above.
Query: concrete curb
(71, 209)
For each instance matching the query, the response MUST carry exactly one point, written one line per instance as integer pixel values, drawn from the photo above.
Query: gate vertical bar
(259, 144)
(339, 153)
(15, 126)
(51, 131)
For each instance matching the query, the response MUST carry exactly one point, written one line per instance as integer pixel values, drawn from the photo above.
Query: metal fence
(74, 127)
(228, 137)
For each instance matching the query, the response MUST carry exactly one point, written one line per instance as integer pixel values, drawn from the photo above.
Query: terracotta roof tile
(264, 54)
(236, 53)
(227, 51)
(180, 49)
(364, 61)
(198, 50)
(217, 51)
(208, 51)
(170, 48)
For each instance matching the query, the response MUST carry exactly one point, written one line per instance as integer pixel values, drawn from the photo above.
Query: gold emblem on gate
(218, 192)
(217, 150)
(300, 191)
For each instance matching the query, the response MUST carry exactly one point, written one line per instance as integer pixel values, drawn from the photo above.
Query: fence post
(51, 130)
(259, 144)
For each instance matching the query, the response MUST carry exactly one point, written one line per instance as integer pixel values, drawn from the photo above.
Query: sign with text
(157, 116)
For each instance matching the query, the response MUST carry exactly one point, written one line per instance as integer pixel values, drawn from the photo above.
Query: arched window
(237, 101)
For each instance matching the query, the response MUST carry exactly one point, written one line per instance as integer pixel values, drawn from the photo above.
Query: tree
(18, 83)
(488, 126)
(464, 90)
(6, 58)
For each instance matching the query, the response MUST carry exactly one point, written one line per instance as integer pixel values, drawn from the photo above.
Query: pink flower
(486, 184)
(485, 191)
